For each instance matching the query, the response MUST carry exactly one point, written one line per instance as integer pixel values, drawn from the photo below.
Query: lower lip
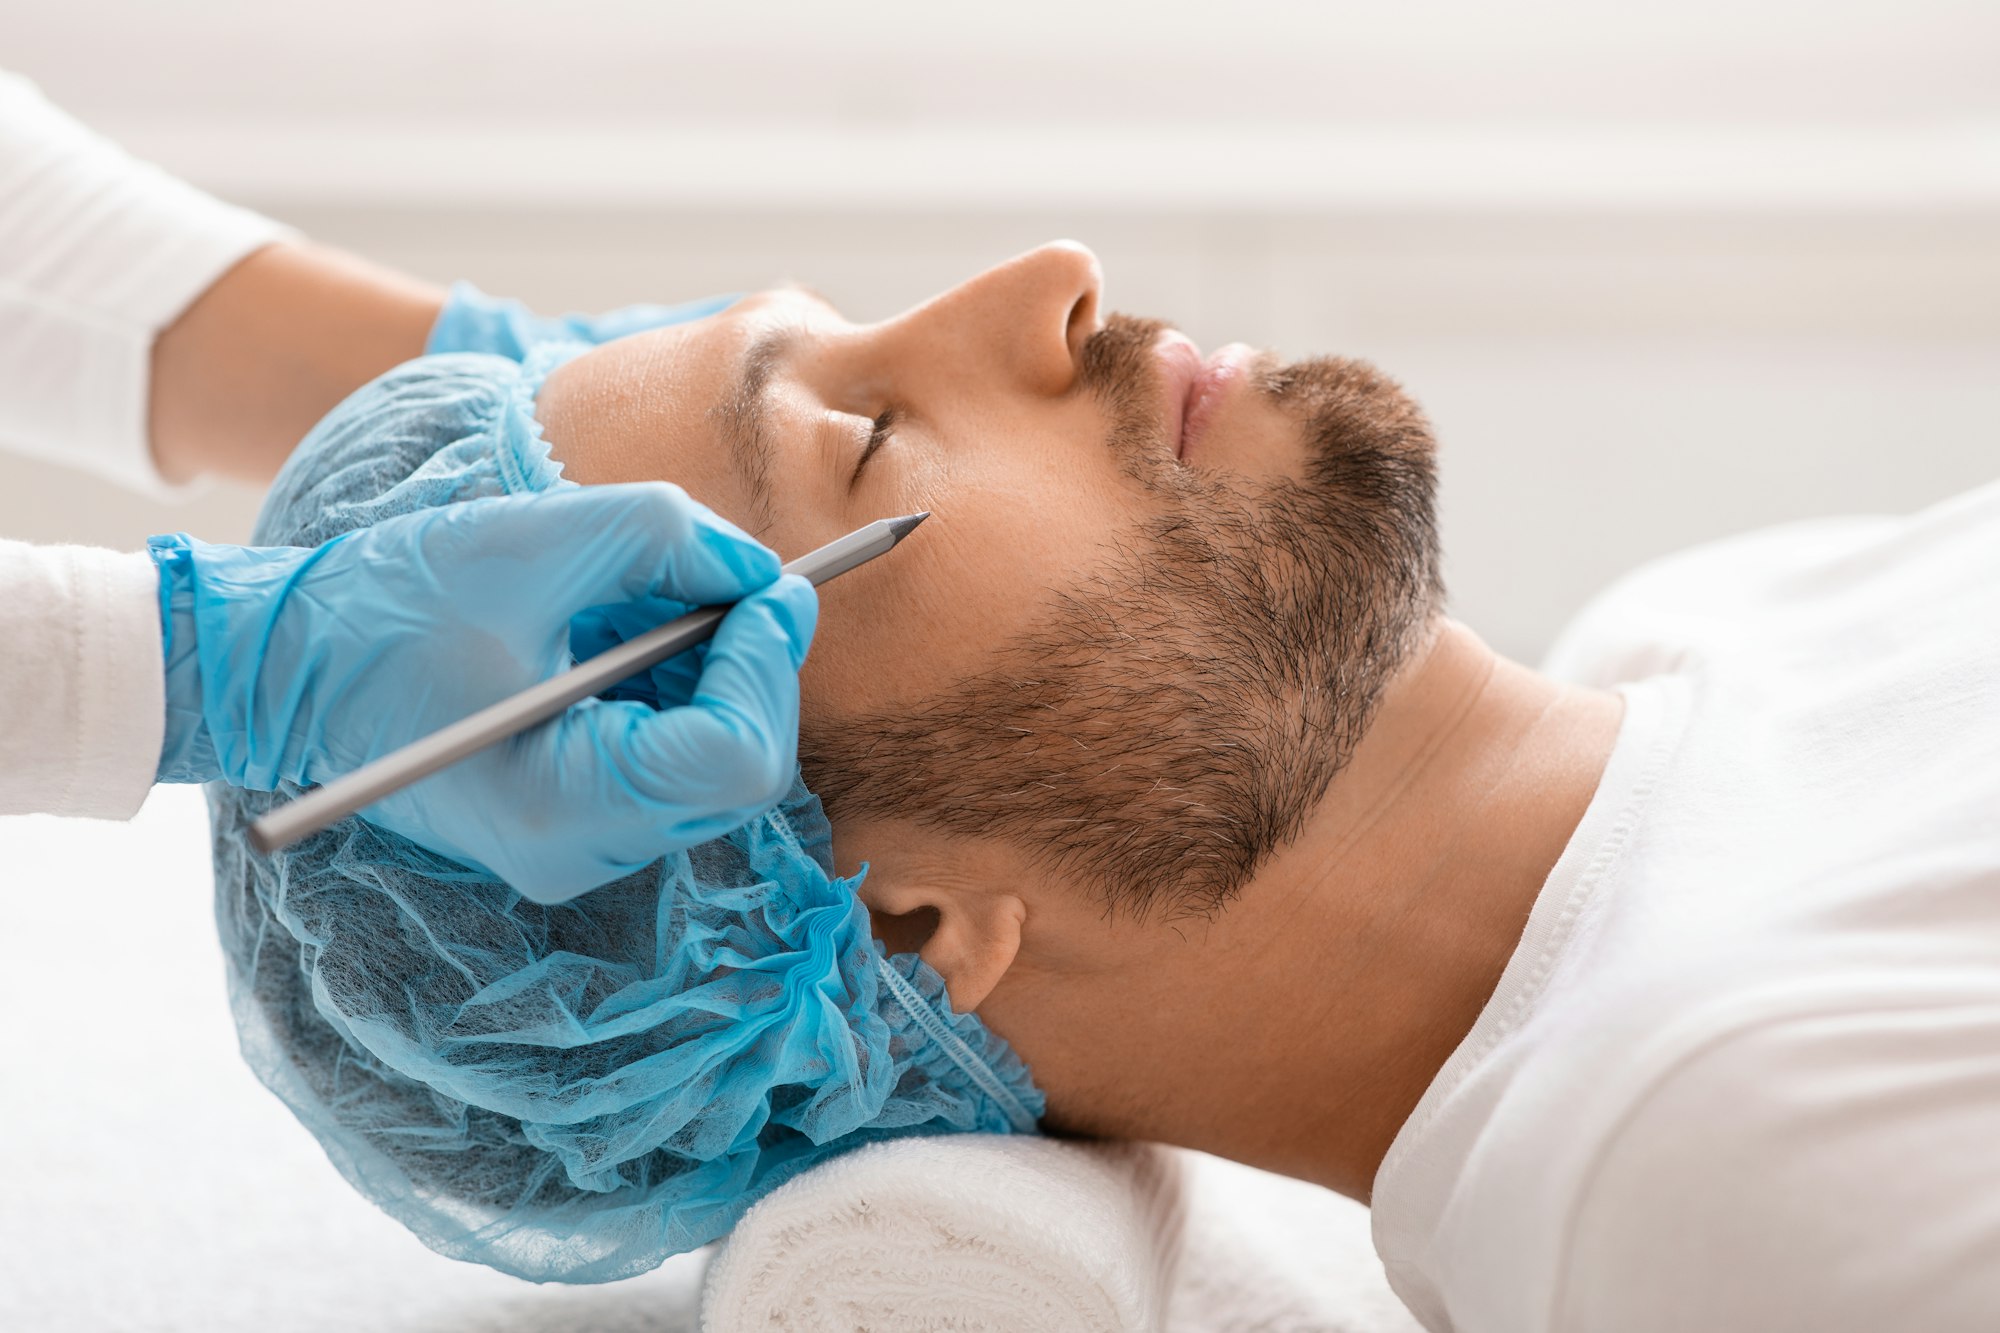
(1226, 368)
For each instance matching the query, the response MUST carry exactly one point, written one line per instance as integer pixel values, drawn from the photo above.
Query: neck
(1326, 998)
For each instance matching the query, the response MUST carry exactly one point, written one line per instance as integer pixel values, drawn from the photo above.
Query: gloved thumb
(675, 777)
(732, 750)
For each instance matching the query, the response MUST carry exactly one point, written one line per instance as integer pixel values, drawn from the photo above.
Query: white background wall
(1661, 273)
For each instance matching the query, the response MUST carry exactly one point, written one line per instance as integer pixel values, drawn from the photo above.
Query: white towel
(1013, 1235)
(979, 1232)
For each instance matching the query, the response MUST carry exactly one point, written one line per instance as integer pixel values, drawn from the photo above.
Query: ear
(977, 935)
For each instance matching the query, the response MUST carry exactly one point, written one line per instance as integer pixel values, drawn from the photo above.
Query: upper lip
(1181, 368)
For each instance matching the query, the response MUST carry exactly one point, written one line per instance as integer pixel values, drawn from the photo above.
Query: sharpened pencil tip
(907, 524)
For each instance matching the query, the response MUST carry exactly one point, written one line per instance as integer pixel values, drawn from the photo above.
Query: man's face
(991, 431)
(1165, 586)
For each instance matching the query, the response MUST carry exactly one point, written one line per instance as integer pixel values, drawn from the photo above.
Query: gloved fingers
(591, 632)
(661, 781)
(644, 540)
(731, 752)
(601, 628)
(665, 685)
(597, 628)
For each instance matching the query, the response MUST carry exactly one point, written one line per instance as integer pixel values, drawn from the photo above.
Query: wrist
(242, 374)
(187, 754)
(223, 613)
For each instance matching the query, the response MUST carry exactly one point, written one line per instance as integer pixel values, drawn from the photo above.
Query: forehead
(679, 403)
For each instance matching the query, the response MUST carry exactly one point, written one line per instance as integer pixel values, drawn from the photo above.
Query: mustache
(1116, 362)
(1116, 366)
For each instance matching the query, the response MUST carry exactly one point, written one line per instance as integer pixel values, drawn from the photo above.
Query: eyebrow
(745, 415)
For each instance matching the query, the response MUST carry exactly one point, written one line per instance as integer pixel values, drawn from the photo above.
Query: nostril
(1084, 320)
(1072, 264)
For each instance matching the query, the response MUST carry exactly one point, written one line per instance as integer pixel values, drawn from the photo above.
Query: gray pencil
(285, 825)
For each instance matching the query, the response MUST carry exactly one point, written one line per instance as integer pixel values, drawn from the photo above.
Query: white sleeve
(1835, 1172)
(98, 253)
(82, 684)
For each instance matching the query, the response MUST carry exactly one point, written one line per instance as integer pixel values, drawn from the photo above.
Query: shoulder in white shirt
(1742, 1071)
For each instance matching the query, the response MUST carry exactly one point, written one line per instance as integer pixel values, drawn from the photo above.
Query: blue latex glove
(472, 321)
(294, 665)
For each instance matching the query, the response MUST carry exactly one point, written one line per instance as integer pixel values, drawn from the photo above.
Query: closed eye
(882, 427)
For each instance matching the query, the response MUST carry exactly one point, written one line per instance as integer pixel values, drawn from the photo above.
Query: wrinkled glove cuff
(186, 752)
(472, 321)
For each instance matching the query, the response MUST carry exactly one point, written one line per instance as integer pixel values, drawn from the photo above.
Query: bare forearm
(247, 369)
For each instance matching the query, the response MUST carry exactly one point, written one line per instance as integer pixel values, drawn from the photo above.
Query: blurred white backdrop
(1660, 273)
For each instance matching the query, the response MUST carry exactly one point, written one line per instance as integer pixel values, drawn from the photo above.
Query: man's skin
(1294, 1031)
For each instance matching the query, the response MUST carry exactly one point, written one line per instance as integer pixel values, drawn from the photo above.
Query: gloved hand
(294, 665)
(472, 321)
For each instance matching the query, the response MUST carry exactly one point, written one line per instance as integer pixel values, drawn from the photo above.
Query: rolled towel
(967, 1232)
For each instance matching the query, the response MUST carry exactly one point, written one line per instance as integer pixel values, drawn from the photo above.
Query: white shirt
(98, 253)
(1742, 1072)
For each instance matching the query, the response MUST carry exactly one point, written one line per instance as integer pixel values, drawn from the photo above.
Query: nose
(1023, 321)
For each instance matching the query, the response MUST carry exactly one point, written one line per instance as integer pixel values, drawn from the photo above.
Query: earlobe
(968, 936)
(939, 900)
(975, 942)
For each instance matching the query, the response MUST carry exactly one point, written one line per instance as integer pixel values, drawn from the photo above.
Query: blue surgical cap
(570, 1092)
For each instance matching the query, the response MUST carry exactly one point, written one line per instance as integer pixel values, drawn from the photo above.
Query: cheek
(1009, 532)
(903, 628)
